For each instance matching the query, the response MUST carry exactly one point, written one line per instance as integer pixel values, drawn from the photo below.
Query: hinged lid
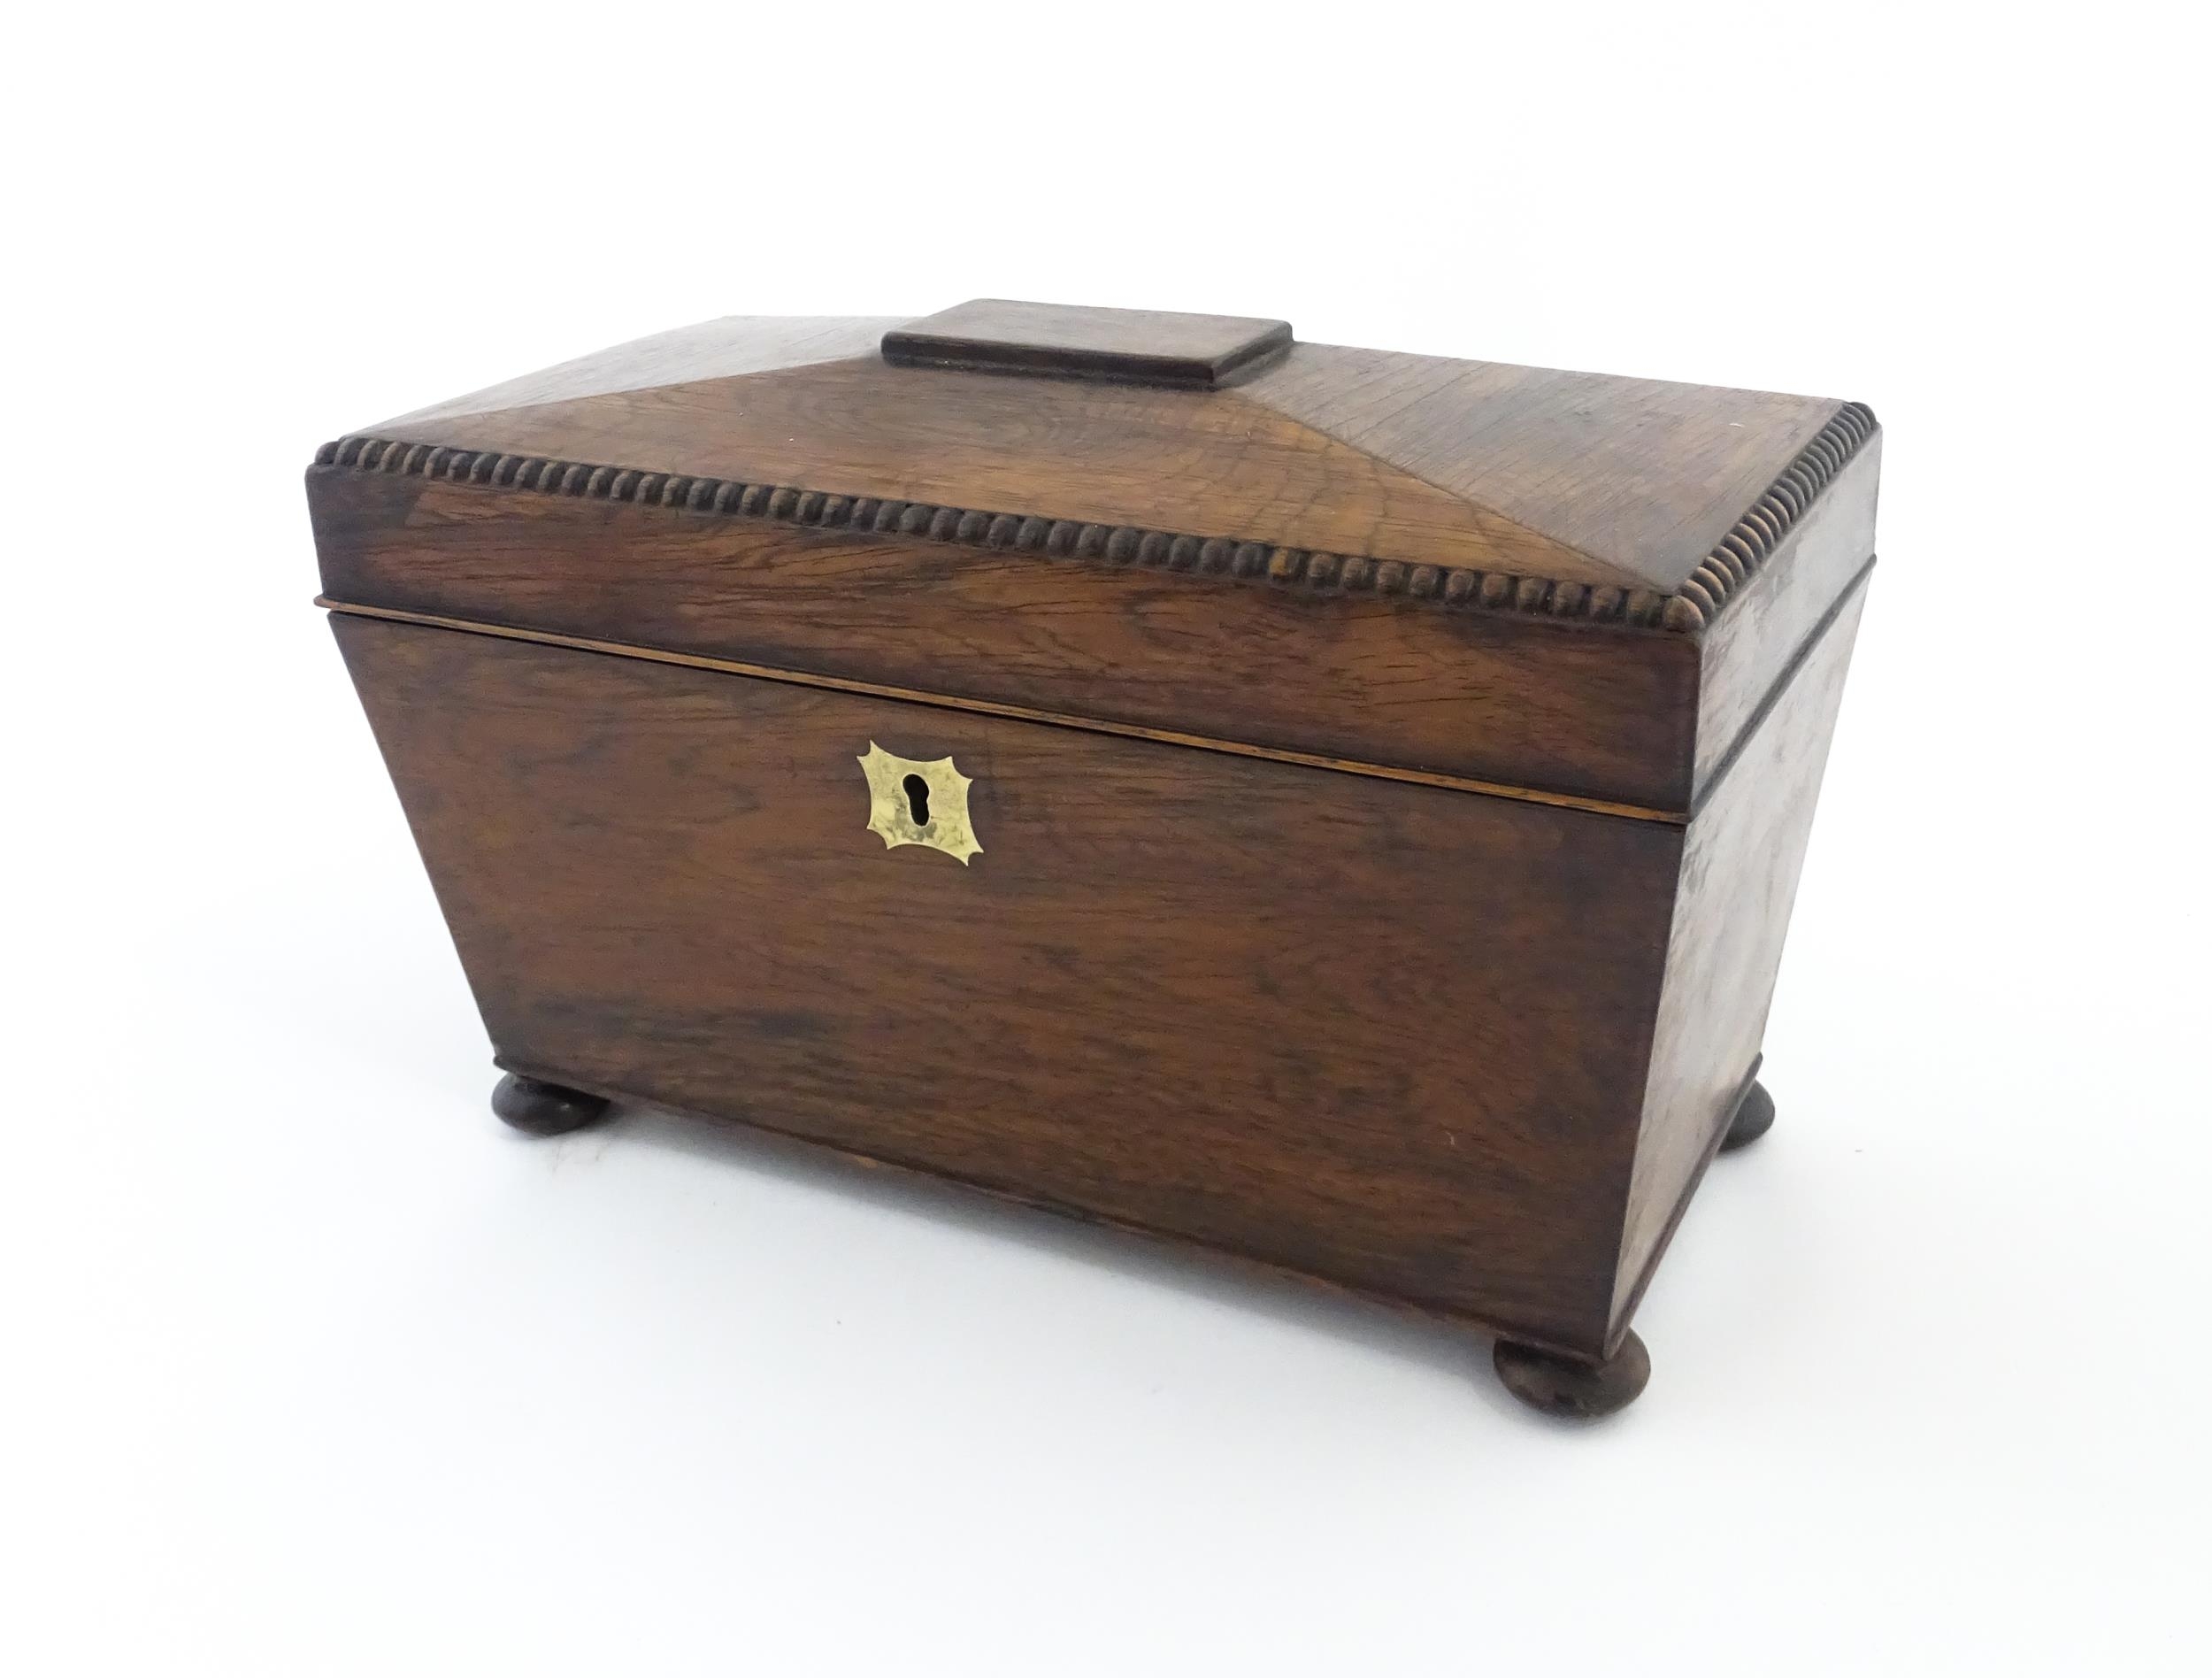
(1557, 584)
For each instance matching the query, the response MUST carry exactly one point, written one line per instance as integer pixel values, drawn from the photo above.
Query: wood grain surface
(1642, 476)
(1018, 713)
(1141, 346)
(1556, 707)
(1204, 461)
(724, 348)
(1770, 623)
(1459, 1028)
(1390, 1036)
(1739, 880)
(1527, 471)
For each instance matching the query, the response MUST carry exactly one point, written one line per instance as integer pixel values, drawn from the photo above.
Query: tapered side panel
(1781, 609)
(1739, 873)
(1388, 1035)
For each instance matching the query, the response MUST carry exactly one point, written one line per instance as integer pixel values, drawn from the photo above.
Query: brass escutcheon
(918, 803)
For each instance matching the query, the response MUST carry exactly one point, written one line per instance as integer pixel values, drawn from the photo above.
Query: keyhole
(917, 799)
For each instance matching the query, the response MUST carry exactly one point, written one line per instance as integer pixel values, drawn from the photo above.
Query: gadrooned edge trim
(1741, 554)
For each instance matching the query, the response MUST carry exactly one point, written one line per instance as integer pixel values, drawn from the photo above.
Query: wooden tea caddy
(1337, 808)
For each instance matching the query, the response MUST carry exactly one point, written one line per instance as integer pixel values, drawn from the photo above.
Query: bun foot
(1754, 1117)
(544, 1109)
(1560, 1387)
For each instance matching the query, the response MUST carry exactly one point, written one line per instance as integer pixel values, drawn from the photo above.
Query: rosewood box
(1334, 807)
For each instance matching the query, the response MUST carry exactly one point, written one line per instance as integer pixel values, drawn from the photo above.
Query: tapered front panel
(1392, 1035)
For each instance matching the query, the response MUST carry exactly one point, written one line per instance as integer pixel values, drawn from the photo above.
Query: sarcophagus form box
(1337, 808)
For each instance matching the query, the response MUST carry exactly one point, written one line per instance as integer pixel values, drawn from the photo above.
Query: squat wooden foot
(544, 1109)
(1754, 1117)
(1559, 1387)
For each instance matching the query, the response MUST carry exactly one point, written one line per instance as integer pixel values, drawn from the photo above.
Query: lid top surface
(1216, 426)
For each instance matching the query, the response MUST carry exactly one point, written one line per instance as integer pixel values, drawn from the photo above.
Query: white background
(311, 1367)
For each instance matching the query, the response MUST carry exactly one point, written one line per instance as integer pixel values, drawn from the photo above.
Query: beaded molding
(1746, 547)
(1751, 541)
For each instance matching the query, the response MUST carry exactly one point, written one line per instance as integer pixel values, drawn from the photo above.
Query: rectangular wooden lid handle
(1131, 346)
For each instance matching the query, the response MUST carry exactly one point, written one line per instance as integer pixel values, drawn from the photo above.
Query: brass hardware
(918, 803)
